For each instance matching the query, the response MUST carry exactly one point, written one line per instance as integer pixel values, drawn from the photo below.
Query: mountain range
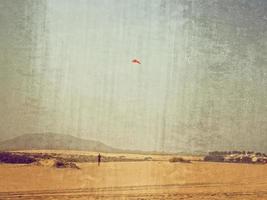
(53, 141)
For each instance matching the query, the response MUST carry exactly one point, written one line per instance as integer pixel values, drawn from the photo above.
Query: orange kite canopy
(135, 61)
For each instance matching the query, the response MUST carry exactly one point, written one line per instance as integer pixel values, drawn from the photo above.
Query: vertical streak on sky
(66, 68)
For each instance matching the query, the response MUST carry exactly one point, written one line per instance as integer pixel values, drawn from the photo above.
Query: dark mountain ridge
(53, 141)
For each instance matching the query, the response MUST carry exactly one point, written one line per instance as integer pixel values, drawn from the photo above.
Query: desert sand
(135, 180)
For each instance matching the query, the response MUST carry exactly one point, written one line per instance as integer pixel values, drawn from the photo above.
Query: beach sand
(135, 180)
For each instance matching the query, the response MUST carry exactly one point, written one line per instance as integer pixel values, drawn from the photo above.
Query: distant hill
(55, 142)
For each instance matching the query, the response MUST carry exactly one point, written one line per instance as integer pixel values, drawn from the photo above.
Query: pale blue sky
(66, 68)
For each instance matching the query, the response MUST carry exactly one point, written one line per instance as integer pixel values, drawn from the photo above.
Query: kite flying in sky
(135, 61)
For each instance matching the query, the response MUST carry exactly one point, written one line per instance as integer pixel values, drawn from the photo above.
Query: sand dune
(135, 180)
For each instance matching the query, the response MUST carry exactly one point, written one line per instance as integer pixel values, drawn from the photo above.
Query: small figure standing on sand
(99, 159)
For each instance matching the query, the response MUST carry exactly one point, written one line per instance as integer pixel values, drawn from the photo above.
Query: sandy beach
(135, 180)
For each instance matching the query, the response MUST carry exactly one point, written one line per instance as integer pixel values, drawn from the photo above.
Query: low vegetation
(60, 160)
(179, 159)
(63, 164)
(237, 157)
(7, 157)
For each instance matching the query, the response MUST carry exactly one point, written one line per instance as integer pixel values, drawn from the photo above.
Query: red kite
(135, 61)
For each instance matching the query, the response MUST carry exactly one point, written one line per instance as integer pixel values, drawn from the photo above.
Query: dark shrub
(7, 157)
(214, 158)
(246, 159)
(148, 158)
(179, 159)
(63, 164)
(59, 164)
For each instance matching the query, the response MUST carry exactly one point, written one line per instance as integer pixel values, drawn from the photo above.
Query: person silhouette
(99, 159)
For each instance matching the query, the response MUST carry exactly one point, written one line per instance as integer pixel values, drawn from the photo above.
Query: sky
(65, 67)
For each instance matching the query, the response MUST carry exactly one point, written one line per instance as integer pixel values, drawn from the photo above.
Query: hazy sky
(65, 67)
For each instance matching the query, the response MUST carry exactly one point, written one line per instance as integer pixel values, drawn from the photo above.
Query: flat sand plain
(135, 180)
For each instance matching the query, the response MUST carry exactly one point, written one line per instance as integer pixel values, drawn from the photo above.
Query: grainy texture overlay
(133, 80)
